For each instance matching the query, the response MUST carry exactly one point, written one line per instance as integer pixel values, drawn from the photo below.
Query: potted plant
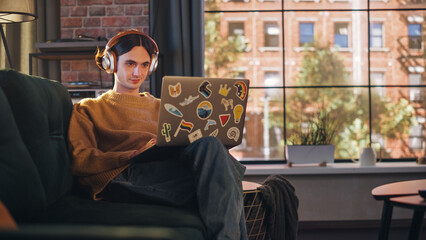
(313, 142)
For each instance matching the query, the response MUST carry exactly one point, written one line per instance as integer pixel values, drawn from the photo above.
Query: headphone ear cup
(154, 63)
(109, 62)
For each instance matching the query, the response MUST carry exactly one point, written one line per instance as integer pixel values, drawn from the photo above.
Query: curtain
(21, 39)
(177, 26)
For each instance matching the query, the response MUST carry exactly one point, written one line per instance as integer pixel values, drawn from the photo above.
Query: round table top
(395, 189)
(414, 201)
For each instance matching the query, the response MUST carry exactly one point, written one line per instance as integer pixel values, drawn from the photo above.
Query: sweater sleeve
(87, 158)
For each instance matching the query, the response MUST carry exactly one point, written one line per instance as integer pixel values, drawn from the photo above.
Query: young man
(114, 157)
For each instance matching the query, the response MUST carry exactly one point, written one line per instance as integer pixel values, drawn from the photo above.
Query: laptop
(196, 107)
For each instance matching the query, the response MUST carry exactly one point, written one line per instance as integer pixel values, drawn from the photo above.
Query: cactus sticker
(166, 131)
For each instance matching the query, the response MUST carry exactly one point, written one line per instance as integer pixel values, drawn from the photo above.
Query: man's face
(132, 69)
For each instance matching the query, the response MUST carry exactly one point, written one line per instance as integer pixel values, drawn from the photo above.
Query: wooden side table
(390, 191)
(418, 204)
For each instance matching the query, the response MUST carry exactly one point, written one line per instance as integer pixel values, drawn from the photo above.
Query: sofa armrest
(94, 232)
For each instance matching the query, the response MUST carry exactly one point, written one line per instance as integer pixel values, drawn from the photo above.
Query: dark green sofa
(36, 183)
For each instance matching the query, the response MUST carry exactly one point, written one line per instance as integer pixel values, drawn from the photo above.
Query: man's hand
(148, 145)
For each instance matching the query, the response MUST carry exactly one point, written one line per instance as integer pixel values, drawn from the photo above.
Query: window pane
(306, 33)
(414, 36)
(341, 33)
(242, 5)
(263, 134)
(229, 57)
(397, 59)
(346, 110)
(386, 4)
(325, 4)
(398, 120)
(376, 35)
(236, 28)
(271, 33)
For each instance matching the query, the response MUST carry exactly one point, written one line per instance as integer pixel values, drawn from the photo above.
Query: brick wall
(98, 19)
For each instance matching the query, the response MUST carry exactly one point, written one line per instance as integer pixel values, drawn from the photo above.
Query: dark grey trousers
(202, 174)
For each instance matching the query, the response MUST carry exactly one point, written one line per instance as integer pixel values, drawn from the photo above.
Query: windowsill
(335, 168)
(375, 49)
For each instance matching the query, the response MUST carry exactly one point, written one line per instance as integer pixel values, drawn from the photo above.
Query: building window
(306, 33)
(378, 78)
(376, 35)
(272, 32)
(416, 94)
(235, 29)
(341, 35)
(416, 137)
(414, 36)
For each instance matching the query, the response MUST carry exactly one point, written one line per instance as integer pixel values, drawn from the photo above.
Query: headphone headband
(109, 60)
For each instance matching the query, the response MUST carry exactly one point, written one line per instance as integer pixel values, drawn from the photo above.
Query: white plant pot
(303, 154)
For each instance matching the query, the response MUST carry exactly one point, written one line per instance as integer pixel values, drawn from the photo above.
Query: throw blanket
(281, 206)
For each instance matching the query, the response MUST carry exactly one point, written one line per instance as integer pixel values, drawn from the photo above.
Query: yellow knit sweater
(104, 132)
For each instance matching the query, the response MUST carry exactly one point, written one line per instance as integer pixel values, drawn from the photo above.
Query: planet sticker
(204, 110)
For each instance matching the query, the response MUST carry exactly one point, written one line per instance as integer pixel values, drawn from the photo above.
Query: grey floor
(399, 233)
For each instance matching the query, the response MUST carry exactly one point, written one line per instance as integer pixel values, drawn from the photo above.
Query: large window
(356, 62)
(341, 35)
(306, 33)
(376, 35)
(236, 28)
(415, 36)
(271, 34)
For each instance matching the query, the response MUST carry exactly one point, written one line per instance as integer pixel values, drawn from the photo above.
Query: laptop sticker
(233, 133)
(204, 89)
(185, 126)
(228, 103)
(210, 122)
(238, 112)
(173, 110)
(214, 133)
(175, 90)
(204, 110)
(241, 89)
(189, 100)
(224, 90)
(166, 131)
(195, 135)
(224, 119)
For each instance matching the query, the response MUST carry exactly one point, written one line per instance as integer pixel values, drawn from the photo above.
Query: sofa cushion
(41, 109)
(20, 185)
(78, 210)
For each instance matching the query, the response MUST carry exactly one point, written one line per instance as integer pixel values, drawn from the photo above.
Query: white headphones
(109, 59)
